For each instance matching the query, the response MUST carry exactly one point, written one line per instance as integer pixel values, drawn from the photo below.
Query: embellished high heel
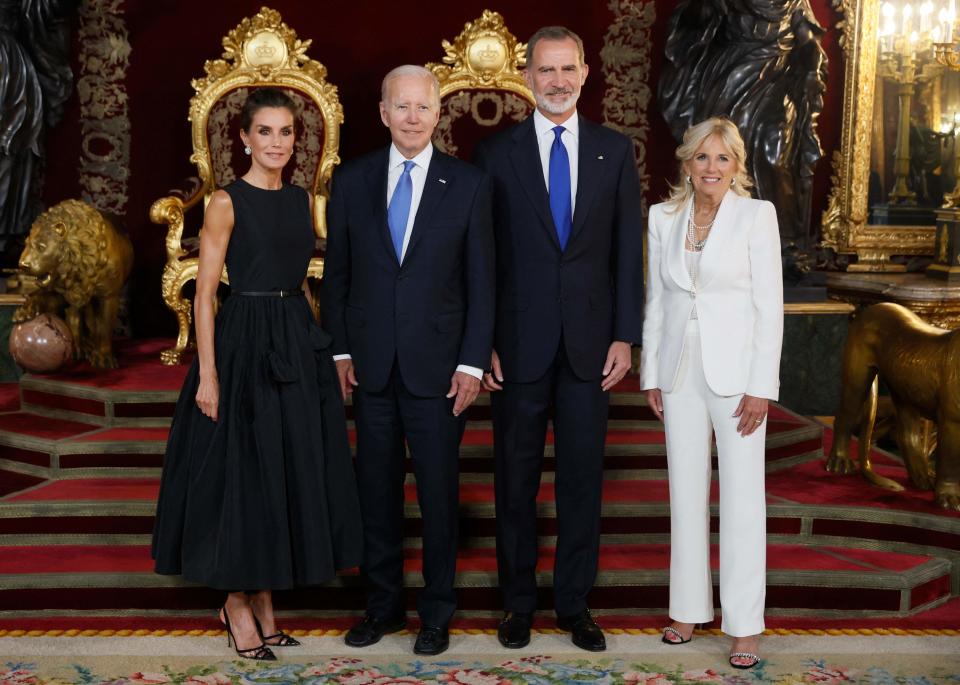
(282, 639)
(671, 631)
(260, 652)
(751, 660)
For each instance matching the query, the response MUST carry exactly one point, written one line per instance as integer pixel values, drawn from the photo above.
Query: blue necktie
(398, 211)
(560, 188)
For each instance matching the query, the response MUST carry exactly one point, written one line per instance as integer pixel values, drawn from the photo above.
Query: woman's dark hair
(264, 97)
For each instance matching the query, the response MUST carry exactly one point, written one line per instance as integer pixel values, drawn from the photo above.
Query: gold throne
(260, 51)
(481, 84)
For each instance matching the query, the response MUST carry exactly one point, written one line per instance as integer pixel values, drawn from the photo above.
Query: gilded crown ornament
(484, 55)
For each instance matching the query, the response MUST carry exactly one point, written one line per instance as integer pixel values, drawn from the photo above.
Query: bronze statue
(35, 82)
(79, 258)
(921, 366)
(760, 63)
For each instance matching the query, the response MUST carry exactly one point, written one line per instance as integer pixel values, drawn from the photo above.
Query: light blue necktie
(398, 211)
(560, 188)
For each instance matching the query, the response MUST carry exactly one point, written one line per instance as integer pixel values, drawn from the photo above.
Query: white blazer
(739, 298)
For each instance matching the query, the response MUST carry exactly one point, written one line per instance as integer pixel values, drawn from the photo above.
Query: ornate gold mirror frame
(844, 224)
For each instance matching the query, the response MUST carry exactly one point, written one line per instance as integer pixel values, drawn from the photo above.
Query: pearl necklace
(696, 245)
(693, 229)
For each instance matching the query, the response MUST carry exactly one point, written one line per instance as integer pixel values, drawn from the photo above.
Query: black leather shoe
(514, 630)
(432, 640)
(371, 629)
(586, 633)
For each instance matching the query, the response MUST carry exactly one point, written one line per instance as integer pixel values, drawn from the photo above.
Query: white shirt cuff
(338, 357)
(471, 370)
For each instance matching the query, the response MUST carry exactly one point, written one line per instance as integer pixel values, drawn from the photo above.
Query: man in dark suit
(408, 295)
(568, 229)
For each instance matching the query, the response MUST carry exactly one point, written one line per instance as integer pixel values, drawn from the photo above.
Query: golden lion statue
(921, 366)
(79, 258)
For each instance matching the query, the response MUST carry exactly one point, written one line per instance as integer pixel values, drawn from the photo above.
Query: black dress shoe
(514, 630)
(371, 629)
(586, 633)
(432, 640)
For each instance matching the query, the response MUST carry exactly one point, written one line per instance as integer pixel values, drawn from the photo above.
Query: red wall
(358, 42)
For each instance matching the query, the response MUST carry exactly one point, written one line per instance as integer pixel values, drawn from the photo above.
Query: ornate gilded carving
(485, 56)
(261, 51)
(79, 259)
(482, 66)
(844, 222)
(918, 363)
(626, 58)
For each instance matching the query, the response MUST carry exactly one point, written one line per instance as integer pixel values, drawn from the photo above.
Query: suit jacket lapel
(377, 180)
(721, 235)
(590, 167)
(433, 190)
(525, 157)
(676, 257)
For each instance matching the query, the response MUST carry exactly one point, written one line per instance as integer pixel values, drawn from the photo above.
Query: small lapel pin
(599, 156)
(442, 180)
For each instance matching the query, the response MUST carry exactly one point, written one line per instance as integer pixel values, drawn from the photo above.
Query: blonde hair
(693, 138)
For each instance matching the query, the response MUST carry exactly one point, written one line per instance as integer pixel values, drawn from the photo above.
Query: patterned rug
(478, 660)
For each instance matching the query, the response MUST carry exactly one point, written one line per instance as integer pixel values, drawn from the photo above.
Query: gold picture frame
(844, 223)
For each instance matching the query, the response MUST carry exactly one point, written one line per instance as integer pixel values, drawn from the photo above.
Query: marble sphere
(41, 344)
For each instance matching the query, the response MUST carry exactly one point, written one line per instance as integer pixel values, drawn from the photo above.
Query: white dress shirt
(418, 176)
(570, 139)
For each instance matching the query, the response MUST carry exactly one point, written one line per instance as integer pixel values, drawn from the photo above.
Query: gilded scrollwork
(626, 58)
(844, 225)
(484, 56)
(261, 51)
(483, 65)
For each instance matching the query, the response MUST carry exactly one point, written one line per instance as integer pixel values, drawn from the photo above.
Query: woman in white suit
(711, 357)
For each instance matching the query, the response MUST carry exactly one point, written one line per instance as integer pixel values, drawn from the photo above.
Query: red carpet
(140, 369)
(836, 543)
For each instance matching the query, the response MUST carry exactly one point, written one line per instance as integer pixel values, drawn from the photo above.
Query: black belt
(270, 293)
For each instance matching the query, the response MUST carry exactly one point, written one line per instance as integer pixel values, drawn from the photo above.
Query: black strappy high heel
(260, 652)
(283, 640)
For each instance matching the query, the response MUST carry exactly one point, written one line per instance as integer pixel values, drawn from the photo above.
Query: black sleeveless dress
(265, 497)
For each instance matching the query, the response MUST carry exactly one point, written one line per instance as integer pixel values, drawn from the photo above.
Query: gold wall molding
(103, 60)
(626, 65)
(844, 222)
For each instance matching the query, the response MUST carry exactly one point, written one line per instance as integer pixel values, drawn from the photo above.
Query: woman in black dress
(258, 491)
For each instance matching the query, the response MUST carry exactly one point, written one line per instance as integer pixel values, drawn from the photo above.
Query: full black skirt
(264, 498)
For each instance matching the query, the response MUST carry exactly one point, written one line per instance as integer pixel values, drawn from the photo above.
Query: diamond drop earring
(247, 150)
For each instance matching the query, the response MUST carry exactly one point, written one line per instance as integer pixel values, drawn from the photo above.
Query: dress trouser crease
(520, 415)
(692, 412)
(385, 420)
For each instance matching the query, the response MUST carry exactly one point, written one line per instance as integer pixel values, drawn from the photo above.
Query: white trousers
(691, 413)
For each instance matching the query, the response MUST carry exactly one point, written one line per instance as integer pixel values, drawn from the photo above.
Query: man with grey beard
(568, 229)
